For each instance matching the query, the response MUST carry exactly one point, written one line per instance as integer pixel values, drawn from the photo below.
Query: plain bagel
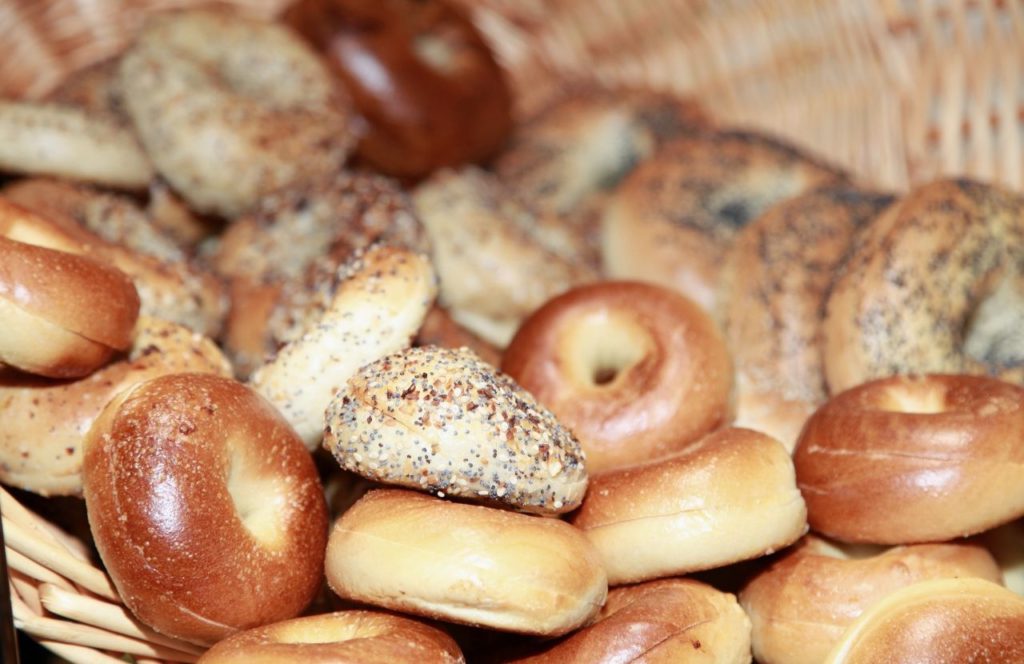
(729, 497)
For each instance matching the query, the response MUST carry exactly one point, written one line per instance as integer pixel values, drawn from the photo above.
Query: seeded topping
(446, 422)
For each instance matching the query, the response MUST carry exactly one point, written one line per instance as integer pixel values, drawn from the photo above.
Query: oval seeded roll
(902, 460)
(462, 563)
(730, 497)
(942, 621)
(444, 421)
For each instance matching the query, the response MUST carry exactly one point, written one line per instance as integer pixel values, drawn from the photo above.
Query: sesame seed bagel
(343, 637)
(471, 564)
(635, 370)
(45, 422)
(230, 107)
(802, 604)
(776, 279)
(731, 496)
(946, 621)
(64, 141)
(115, 229)
(933, 287)
(497, 259)
(669, 620)
(446, 422)
(369, 307)
(905, 459)
(673, 218)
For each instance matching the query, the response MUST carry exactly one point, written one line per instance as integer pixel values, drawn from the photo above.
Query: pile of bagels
(350, 363)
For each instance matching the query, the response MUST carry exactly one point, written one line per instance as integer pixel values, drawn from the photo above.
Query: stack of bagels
(351, 364)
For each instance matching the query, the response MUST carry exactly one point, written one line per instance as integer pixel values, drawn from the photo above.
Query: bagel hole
(843, 551)
(605, 347)
(259, 501)
(327, 631)
(435, 52)
(994, 331)
(915, 397)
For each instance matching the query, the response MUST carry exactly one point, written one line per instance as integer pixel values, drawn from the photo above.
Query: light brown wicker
(898, 91)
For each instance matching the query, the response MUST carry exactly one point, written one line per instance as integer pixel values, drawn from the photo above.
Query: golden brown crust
(670, 620)
(65, 314)
(672, 219)
(419, 73)
(486, 567)
(45, 422)
(205, 507)
(801, 605)
(776, 279)
(932, 288)
(729, 497)
(914, 459)
(636, 371)
(343, 637)
(941, 620)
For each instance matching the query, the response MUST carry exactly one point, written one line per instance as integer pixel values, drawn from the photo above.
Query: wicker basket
(898, 91)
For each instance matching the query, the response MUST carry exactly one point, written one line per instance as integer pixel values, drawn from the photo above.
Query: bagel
(485, 567)
(673, 218)
(266, 255)
(369, 307)
(774, 285)
(942, 620)
(95, 89)
(731, 496)
(932, 288)
(114, 229)
(205, 507)
(446, 422)
(419, 74)
(636, 371)
(440, 329)
(367, 637)
(230, 107)
(670, 620)
(64, 315)
(39, 138)
(901, 460)
(803, 602)
(496, 259)
(45, 421)
(587, 139)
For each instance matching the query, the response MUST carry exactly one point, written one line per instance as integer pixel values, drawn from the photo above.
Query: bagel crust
(482, 566)
(941, 620)
(446, 422)
(904, 459)
(343, 637)
(636, 371)
(933, 287)
(802, 604)
(206, 508)
(729, 497)
(669, 620)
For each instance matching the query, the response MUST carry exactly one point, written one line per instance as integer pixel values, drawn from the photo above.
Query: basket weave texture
(897, 91)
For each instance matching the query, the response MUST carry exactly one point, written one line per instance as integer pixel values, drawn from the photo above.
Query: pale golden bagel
(933, 287)
(802, 604)
(484, 566)
(942, 621)
(343, 637)
(731, 496)
(905, 459)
